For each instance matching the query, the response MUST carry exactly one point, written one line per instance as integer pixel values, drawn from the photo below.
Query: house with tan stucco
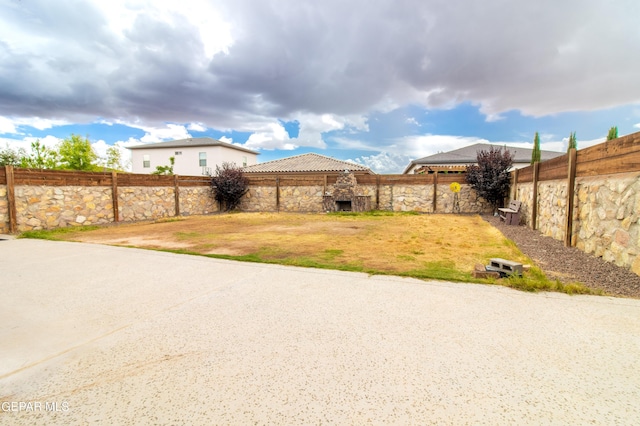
(302, 164)
(456, 161)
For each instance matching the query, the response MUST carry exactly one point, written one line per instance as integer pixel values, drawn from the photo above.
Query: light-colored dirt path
(124, 336)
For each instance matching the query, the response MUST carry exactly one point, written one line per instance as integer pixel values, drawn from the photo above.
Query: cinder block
(506, 266)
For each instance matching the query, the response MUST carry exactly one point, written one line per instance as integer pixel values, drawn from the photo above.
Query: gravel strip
(568, 264)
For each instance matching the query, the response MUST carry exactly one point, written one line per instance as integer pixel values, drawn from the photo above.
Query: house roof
(305, 163)
(192, 142)
(469, 155)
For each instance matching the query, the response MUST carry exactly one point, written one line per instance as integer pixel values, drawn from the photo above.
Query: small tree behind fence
(490, 177)
(229, 184)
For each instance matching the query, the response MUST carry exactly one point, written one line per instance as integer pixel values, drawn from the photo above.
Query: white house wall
(187, 162)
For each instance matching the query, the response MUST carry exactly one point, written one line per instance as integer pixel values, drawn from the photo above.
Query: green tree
(613, 133)
(10, 157)
(535, 154)
(165, 170)
(114, 158)
(40, 157)
(573, 143)
(490, 176)
(76, 153)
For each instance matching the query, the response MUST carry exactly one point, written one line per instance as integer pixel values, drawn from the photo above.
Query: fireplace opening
(343, 206)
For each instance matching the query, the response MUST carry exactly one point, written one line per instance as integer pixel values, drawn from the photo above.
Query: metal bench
(511, 214)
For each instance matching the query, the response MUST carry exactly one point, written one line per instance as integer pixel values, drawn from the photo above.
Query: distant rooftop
(192, 142)
(306, 163)
(469, 155)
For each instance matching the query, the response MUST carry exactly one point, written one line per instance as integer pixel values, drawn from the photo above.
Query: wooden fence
(324, 180)
(620, 155)
(12, 177)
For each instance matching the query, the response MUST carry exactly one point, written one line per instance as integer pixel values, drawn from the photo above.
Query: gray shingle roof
(192, 142)
(305, 163)
(469, 154)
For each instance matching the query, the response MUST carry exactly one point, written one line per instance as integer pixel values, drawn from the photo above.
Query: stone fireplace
(345, 195)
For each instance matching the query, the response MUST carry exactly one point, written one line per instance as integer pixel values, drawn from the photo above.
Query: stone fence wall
(386, 192)
(47, 207)
(590, 199)
(4, 210)
(44, 199)
(53, 199)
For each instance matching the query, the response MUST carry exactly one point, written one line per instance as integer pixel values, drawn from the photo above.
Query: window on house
(244, 161)
(146, 161)
(203, 159)
(178, 153)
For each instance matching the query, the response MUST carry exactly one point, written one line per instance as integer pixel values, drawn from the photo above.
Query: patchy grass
(60, 234)
(443, 247)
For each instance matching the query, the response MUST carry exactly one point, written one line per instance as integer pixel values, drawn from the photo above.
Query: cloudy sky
(379, 82)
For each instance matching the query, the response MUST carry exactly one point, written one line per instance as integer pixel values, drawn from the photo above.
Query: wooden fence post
(176, 193)
(11, 199)
(534, 204)
(514, 185)
(114, 196)
(378, 192)
(435, 191)
(571, 181)
(277, 194)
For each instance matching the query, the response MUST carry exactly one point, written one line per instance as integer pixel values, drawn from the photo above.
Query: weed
(56, 234)
(405, 257)
(186, 235)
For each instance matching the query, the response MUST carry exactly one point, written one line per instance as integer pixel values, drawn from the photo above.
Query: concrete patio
(100, 334)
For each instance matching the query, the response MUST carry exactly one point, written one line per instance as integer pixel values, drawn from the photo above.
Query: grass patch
(375, 213)
(59, 234)
(185, 235)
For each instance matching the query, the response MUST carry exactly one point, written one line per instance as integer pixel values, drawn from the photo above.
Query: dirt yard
(430, 246)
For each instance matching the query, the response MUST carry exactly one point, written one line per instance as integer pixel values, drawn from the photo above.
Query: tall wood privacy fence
(589, 198)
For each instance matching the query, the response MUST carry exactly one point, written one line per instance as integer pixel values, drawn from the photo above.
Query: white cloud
(100, 147)
(7, 126)
(159, 133)
(214, 32)
(25, 143)
(492, 118)
(311, 127)
(172, 131)
(41, 123)
(14, 144)
(125, 154)
(10, 125)
(384, 162)
(412, 120)
(196, 127)
(274, 136)
(421, 146)
(48, 141)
